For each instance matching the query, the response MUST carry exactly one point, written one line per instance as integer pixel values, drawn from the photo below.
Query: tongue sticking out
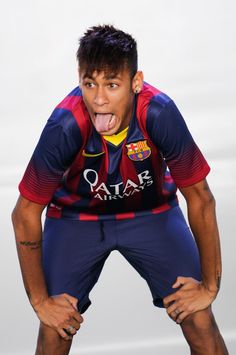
(104, 122)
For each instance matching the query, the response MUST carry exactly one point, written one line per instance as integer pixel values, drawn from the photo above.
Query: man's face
(109, 100)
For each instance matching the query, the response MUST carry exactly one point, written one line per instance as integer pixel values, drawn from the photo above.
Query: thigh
(73, 257)
(161, 248)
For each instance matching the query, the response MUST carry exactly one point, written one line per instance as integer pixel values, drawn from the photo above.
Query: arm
(194, 296)
(202, 220)
(57, 312)
(26, 218)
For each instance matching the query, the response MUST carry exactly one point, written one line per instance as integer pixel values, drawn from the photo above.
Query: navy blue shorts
(160, 247)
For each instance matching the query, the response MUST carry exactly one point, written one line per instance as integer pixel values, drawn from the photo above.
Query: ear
(137, 82)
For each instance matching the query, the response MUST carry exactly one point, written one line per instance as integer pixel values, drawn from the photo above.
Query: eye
(113, 85)
(89, 84)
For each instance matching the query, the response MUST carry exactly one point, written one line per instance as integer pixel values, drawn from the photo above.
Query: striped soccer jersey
(80, 174)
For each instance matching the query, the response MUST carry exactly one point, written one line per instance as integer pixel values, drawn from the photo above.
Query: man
(107, 166)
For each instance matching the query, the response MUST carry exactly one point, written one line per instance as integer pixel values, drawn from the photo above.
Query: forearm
(202, 220)
(28, 233)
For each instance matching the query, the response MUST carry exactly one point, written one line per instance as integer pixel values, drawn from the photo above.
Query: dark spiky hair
(105, 48)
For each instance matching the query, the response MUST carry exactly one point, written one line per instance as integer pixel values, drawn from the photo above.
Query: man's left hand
(191, 297)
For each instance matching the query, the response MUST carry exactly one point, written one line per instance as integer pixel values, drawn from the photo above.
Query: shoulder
(72, 100)
(152, 98)
(71, 113)
(151, 101)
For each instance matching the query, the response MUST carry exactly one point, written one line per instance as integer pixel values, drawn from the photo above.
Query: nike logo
(89, 155)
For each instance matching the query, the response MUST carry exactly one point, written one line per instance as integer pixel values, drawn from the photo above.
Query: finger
(173, 308)
(75, 324)
(174, 314)
(64, 334)
(181, 317)
(69, 329)
(77, 316)
(168, 300)
(72, 300)
(180, 281)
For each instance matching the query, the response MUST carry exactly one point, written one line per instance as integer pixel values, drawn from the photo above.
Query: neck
(127, 118)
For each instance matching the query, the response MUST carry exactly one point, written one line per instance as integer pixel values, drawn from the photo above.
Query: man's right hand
(60, 313)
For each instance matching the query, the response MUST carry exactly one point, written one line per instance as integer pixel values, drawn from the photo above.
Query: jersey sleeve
(170, 133)
(59, 143)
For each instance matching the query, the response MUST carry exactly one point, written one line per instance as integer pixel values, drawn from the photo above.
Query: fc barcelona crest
(138, 151)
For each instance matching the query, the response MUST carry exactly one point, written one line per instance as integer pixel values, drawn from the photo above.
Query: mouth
(102, 113)
(104, 121)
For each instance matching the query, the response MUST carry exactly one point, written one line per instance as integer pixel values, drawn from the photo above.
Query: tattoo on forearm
(31, 245)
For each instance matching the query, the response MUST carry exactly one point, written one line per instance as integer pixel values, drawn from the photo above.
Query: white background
(186, 49)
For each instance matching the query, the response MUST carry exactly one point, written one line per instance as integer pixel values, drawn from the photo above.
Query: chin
(109, 133)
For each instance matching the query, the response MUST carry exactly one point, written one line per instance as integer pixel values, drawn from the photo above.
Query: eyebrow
(106, 77)
(112, 76)
(86, 76)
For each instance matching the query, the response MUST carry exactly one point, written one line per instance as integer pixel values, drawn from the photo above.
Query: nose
(100, 98)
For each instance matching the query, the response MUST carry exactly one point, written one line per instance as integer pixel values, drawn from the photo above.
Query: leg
(202, 334)
(160, 247)
(50, 342)
(74, 253)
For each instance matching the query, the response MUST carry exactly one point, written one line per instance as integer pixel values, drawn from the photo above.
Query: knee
(200, 323)
(50, 340)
